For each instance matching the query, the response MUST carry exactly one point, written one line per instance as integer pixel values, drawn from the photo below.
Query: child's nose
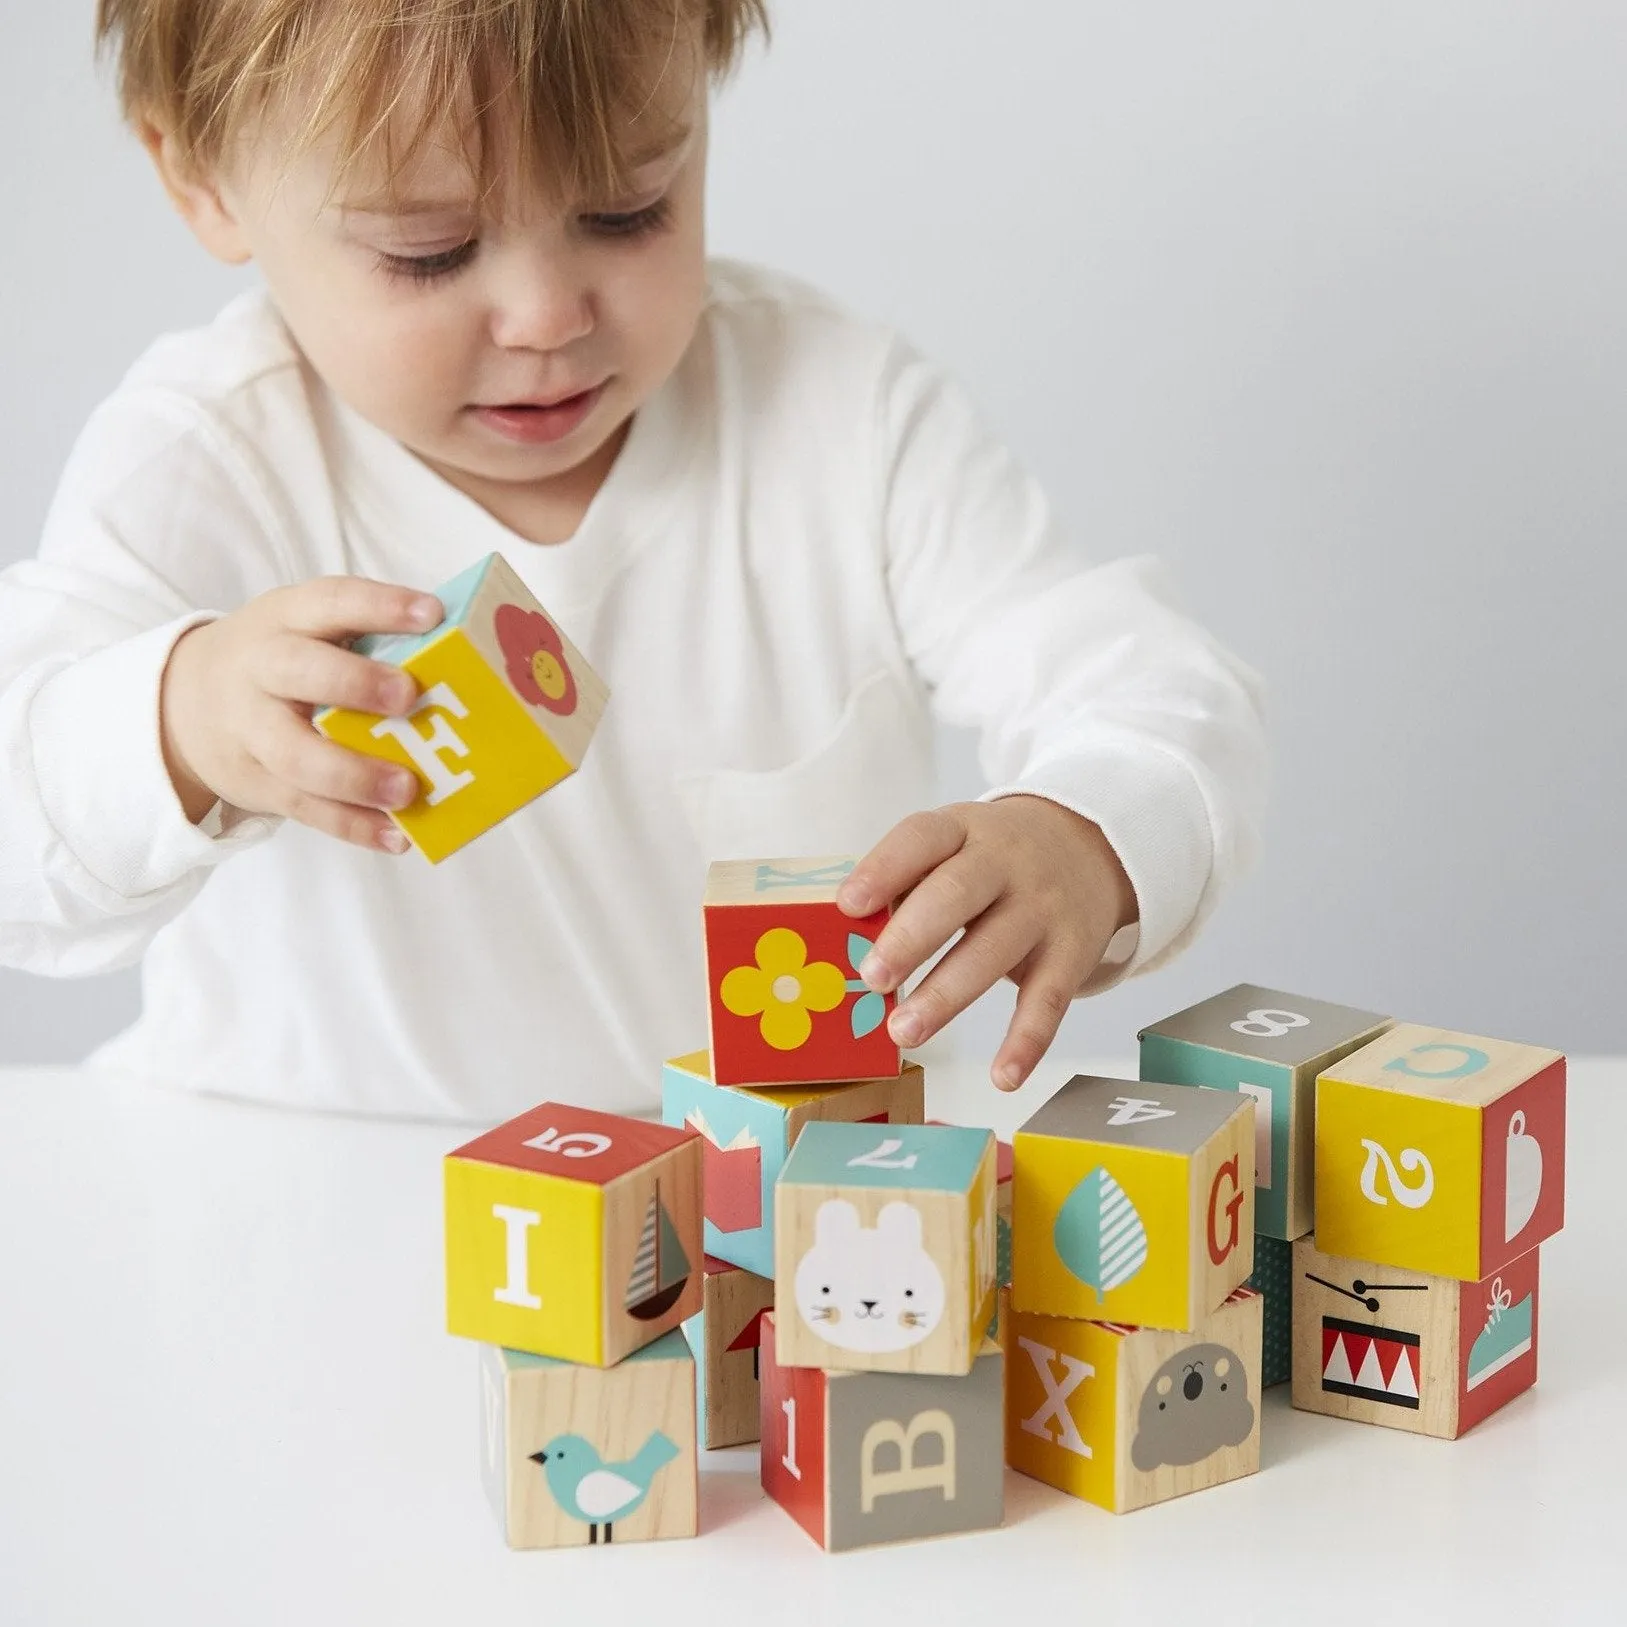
(542, 308)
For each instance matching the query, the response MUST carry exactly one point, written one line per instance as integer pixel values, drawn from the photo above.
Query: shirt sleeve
(157, 524)
(1085, 683)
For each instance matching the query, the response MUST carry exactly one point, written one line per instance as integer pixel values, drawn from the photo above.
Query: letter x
(1074, 1373)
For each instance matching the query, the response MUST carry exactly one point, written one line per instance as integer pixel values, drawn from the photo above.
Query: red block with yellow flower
(505, 710)
(782, 965)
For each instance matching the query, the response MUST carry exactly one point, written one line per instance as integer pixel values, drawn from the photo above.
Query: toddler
(487, 322)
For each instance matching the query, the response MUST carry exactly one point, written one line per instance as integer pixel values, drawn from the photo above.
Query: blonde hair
(573, 79)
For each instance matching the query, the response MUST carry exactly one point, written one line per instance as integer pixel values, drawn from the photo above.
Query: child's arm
(1125, 745)
(160, 525)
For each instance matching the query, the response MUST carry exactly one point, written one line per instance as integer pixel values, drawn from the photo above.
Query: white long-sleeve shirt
(808, 545)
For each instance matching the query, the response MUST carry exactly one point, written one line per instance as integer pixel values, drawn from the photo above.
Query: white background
(1322, 304)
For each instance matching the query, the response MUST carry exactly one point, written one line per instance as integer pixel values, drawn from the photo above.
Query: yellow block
(1398, 1178)
(1050, 1172)
(525, 1260)
(1062, 1410)
(477, 753)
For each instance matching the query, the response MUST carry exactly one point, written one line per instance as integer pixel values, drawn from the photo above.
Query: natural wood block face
(725, 1339)
(1383, 1345)
(1005, 1163)
(1269, 1045)
(506, 708)
(1133, 1202)
(885, 1248)
(1440, 1152)
(579, 1456)
(782, 967)
(859, 1459)
(1123, 1416)
(573, 1234)
(747, 1133)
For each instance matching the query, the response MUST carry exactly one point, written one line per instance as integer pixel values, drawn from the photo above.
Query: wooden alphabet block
(1271, 1046)
(1123, 1416)
(573, 1234)
(747, 1133)
(506, 708)
(858, 1459)
(782, 968)
(1133, 1202)
(725, 1339)
(1005, 1163)
(580, 1456)
(1439, 1152)
(1429, 1354)
(884, 1248)
(1273, 1279)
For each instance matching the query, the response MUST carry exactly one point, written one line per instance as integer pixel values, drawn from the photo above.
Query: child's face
(508, 349)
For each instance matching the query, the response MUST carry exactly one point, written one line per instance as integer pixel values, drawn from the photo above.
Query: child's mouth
(533, 425)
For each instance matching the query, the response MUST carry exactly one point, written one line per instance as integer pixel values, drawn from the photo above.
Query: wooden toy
(782, 968)
(1005, 1162)
(578, 1456)
(724, 1337)
(884, 1248)
(748, 1132)
(1273, 1279)
(1124, 1416)
(574, 1234)
(1430, 1354)
(1271, 1046)
(858, 1459)
(506, 708)
(1440, 1152)
(1133, 1203)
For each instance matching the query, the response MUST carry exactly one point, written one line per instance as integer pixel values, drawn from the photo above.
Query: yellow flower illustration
(783, 988)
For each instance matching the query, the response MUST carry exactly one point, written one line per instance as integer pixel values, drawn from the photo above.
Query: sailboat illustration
(660, 1267)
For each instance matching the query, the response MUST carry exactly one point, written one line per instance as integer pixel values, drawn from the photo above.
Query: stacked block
(747, 1133)
(1135, 1349)
(1412, 1351)
(885, 1248)
(860, 1458)
(1440, 1169)
(573, 1456)
(782, 966)
(882, 1394)
(573, 1251)
(506, 708)
(726, 1339)
(1124, 1416)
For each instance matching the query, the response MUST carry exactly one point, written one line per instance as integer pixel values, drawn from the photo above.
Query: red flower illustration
(535, 654)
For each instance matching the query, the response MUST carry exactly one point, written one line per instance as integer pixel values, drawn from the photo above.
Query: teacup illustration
(1524, 1185)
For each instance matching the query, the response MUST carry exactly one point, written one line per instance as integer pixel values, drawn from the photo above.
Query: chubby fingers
(341, 607)
(994, 943)
(297, 667)
(1045, 989)
(917, 847)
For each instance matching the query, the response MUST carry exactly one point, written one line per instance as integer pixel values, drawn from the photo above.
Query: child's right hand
(237, 696)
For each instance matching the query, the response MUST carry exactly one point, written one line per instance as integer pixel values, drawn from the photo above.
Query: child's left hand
(1038, 890)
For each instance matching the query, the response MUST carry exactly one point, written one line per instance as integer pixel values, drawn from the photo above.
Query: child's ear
(197, 198)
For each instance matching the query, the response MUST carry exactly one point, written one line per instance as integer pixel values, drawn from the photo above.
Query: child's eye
(426, 268)
(630, 222)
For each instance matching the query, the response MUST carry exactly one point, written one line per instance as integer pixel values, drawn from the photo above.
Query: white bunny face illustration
(869, 1288)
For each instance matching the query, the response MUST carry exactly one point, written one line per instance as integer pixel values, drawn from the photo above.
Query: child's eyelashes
(623, 225)
(426, 268)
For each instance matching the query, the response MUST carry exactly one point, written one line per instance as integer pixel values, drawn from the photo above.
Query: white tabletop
(226, 1397)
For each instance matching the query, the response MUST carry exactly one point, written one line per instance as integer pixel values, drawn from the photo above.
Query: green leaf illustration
(1099, 1236)
(868, 1014)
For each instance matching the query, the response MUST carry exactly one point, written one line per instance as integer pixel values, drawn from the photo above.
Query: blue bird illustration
(599, 1493)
